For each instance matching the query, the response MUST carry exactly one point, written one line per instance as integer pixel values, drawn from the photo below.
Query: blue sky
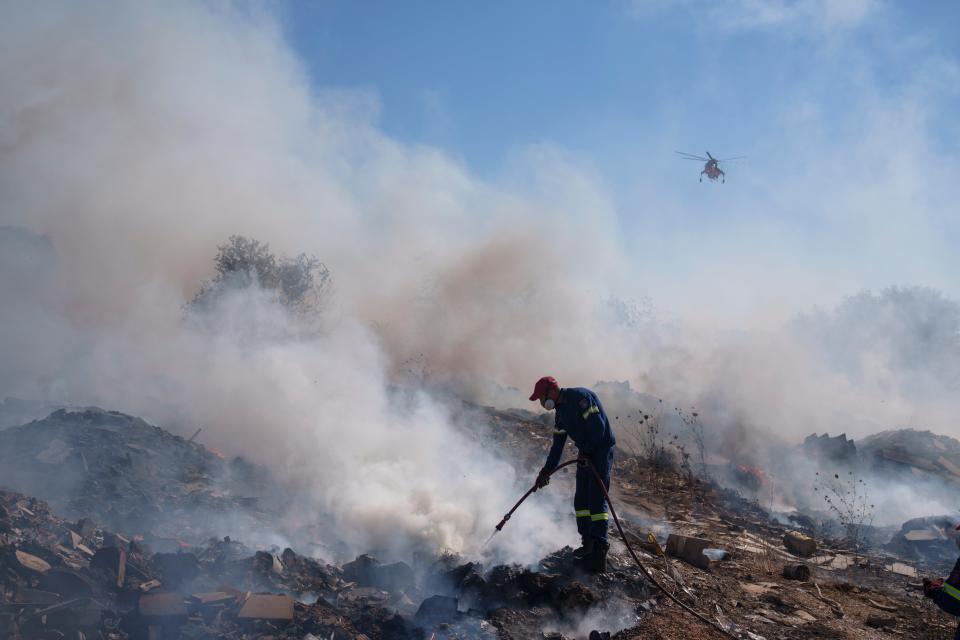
(847, 111)
(482, 78)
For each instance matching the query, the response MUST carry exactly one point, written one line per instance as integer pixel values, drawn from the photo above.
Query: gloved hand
(582, 460)
(930, 585)
(543, 479)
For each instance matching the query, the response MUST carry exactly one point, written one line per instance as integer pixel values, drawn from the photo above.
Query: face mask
(549, 404)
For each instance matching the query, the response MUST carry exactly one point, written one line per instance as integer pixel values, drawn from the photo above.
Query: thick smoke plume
(135, 138)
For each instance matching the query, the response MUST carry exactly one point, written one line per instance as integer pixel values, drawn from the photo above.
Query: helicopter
(712, 166)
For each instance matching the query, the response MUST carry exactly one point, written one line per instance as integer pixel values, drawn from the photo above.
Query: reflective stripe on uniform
(559, 432)
(951, 591)
(586, 414)
(598, 516)
(582, 513)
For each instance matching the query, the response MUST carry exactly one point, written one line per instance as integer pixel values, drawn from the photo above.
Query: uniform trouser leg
(581, 502)
(603, 463)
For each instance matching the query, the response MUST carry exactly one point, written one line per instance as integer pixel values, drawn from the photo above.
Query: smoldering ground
(136, 138)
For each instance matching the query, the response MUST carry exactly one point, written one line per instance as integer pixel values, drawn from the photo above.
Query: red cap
(543, 384)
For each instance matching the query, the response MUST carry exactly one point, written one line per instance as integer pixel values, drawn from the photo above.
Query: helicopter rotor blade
(710, 156)
(690, 156)
(733, 158)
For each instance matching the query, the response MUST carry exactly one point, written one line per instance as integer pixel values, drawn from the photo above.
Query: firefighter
(946, 593)
(580, 416)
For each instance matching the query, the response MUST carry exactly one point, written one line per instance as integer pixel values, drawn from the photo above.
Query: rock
(799, 544)
(367, 571)
(361, 569)
(437, 609)
(29, 564)
(267, 563)
(465, 577)
(881, 622)
(799, 572)
(831, 449)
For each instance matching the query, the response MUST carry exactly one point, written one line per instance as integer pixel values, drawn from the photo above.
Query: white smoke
(138, 137)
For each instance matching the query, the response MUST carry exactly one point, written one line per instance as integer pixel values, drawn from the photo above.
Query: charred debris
(99, 539)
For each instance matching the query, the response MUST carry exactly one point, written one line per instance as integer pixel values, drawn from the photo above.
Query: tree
(299, 284)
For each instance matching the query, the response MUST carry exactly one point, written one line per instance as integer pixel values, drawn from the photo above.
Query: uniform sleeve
(591, 415)
(556, 450)
(947, 599)
(593, 423)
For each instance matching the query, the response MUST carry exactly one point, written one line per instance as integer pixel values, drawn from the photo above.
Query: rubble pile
(917, 455)
(519, 602)
(751, 574)
(836, 449)
(130, 476)
(922, 454)
(927, 540)
(761, 588)
(63, 578)
(775, 582)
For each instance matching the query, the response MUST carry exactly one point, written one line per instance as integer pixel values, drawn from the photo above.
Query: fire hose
(623, 536)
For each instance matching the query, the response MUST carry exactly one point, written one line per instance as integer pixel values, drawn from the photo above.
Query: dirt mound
(129, 475)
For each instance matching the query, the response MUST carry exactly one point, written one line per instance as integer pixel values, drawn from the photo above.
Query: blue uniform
(580, 416)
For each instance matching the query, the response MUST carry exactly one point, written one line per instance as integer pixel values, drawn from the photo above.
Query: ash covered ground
(115, 528)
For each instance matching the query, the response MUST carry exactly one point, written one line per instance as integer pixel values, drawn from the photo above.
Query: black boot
(598, 561)
(585, 550)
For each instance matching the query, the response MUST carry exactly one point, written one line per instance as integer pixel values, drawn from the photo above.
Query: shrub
(299, 284)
